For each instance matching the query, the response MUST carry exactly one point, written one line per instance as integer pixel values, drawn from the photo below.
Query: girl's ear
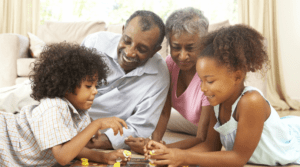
(239, 76)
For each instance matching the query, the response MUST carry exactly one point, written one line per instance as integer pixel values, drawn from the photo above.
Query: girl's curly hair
(62, 67)
(239, 47)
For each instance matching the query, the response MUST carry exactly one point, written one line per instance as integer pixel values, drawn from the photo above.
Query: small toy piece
(117, 164)
(126, 153)
(84, 161)
(151, 164)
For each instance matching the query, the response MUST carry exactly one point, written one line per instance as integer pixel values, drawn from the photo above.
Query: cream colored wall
(288, 15)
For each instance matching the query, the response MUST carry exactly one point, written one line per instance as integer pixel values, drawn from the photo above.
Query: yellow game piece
(126, 153)
(84, 161)
(117, 164)
(151, 164)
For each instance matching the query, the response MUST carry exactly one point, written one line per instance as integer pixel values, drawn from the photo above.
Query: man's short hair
(149, 20)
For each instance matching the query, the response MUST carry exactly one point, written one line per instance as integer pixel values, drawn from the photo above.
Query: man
(138, 81)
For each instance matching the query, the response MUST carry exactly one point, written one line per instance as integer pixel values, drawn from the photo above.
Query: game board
(136, 162)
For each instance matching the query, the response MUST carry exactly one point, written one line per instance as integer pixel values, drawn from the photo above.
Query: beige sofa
(15, 61)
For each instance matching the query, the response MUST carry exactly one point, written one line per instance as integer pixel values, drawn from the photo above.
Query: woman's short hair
(189, 20)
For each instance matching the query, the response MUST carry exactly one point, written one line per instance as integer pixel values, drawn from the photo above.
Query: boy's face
(84, 95)
(218, 84)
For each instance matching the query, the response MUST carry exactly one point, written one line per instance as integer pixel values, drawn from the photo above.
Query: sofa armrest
(9, 52)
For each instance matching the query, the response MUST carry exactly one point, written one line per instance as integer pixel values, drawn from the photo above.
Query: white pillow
(36, 45)
(24, 45)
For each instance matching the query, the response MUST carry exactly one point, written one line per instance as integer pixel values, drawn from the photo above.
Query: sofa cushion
(24, 66)
(115, 28)
(172, 137)
(75, 32)
(215, 26)
(20, 80)
(9, 46)
(177, 123)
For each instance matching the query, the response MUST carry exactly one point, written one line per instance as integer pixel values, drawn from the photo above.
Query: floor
(289, 112)
(282, 114)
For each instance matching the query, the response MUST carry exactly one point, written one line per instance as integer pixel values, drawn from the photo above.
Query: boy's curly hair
(239, 47)
(62, 67)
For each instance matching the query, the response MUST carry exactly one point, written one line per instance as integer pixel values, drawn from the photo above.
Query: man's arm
(147, 111)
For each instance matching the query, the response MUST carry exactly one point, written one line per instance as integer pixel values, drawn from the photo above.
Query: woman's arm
(201, 132)
(161, 127)
(66, 152)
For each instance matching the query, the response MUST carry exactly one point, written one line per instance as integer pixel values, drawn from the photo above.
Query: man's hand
(95, 141)
(99, 141)
(137, 144)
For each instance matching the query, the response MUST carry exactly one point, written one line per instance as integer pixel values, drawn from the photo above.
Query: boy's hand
(114, 123)
(136, 144)
(112, 157)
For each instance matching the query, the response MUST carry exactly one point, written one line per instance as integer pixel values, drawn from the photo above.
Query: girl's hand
(112, 157)
(136, 144)
(161, 155)
(153, 145)
(168, 156)
(114, 123)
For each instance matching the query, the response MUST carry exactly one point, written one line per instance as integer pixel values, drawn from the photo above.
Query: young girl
(64, 80)
(244, 121)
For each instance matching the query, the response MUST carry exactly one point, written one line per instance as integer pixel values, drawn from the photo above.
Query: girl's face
(184, 50)
(218, 85)
(84, 95)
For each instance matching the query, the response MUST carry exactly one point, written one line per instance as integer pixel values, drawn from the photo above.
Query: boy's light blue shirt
(137, 97)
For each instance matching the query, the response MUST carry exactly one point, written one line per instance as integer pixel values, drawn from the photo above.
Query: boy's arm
(96, 156)
(66, 152)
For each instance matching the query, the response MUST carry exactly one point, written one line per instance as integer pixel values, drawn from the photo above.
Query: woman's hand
(112, 157)
(161, 155)
(137, 144)
(112, 122)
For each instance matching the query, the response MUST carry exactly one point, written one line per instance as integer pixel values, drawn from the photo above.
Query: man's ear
(123, 29)
(156, 50)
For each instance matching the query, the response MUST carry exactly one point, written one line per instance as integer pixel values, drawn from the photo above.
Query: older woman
(184, 29)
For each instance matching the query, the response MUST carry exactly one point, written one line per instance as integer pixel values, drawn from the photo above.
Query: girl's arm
(201, 132)
(252, 112)
(66, 152)
(163, 120)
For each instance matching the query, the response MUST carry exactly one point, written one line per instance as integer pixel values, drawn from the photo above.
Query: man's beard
(128, 60)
